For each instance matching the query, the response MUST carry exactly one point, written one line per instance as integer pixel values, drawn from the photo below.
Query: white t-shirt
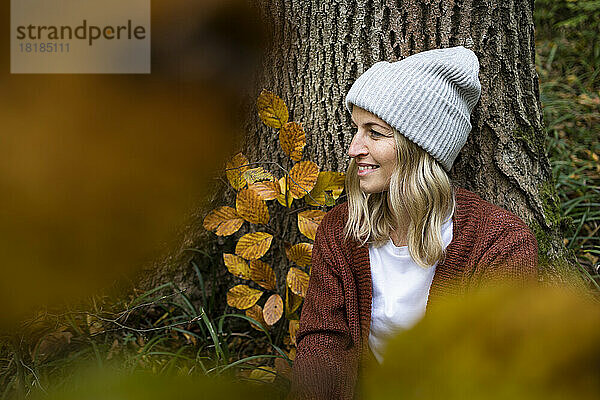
(400, 291)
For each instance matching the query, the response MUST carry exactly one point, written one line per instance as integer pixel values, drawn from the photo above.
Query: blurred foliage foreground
(528, 344)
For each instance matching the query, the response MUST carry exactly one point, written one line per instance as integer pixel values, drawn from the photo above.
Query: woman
(405, 237)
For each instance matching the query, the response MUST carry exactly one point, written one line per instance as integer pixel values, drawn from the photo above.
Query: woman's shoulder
(472, 210)
(335, 219)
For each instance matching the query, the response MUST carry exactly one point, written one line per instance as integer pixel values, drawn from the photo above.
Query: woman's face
(373, 148)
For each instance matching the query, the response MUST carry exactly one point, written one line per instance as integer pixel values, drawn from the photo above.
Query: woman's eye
(375, 133)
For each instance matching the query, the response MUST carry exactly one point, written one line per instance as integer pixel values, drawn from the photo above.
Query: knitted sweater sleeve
(511, 258)
(326, 360)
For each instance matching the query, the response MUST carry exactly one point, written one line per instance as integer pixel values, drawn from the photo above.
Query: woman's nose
(357, 146)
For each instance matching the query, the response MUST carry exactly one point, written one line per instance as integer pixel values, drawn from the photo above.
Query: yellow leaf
(293, 329)
(302, 179)
(262, 274)
(256, 312)
(297, 281)
(308, 222)
(292, 354)
(273, 309)
(292, 302)
(243, 296)
(283, 368)
(251, 207)
(266, 190)
(327, 181)
(263, 374)
(52, 345)
(284, 193)
(94, 324)
(237, 266)
(257, 174)
(253, 246)
(292, 139)
(235, 168)
(223, 220)
(272, 109)
(300, 253)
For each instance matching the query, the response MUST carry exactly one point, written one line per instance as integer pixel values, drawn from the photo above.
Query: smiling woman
(373, 149)
(406, 237)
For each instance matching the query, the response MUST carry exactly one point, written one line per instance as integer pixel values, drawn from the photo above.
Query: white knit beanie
(428, 97)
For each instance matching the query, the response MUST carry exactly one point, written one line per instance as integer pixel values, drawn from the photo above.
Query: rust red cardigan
(489, 243)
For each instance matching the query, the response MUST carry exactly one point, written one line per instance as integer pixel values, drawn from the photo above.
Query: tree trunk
(320, 47)
(317, 48)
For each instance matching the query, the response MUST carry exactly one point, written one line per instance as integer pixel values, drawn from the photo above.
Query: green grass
(568, 64)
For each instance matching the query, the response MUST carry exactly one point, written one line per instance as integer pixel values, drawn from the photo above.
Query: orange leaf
(253, 246)
(243, 296)
(284, 193)
(257, 174)
(263, 374)
(292, 139)
(272, 109)
(302, 179)
(237, 266)
(223, 220)
(262, 274)
(235, 168)
(292, 302)
(308, 222)
(327, 181)
(293, 329)
(52, 345)
(283, 368)
(266, 190)
(256, 312)
(273, 309)
(297, 281)
(300, 253)
(251, 207)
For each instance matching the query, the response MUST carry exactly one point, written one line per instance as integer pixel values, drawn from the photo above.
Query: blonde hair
(419, 189)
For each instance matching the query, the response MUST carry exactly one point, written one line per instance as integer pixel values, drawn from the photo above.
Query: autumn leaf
(263, 373)
(273, 309)
(284, 193)
(235, 169)
(327, 181)
(308, 222)
(272, 109)
(292, 303)
(283, 368)
(236, 265)
(251, 207)
(52, 345)
(302, 179)
(223, 220)
(94, 324)
(297, 281)
(243, 296)
(266, 190)
(262, 274)
(256, 312)
(257, 174)
(293, 329)
(292, 354)
(292, 139)
(253, 246)
(300, 253)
